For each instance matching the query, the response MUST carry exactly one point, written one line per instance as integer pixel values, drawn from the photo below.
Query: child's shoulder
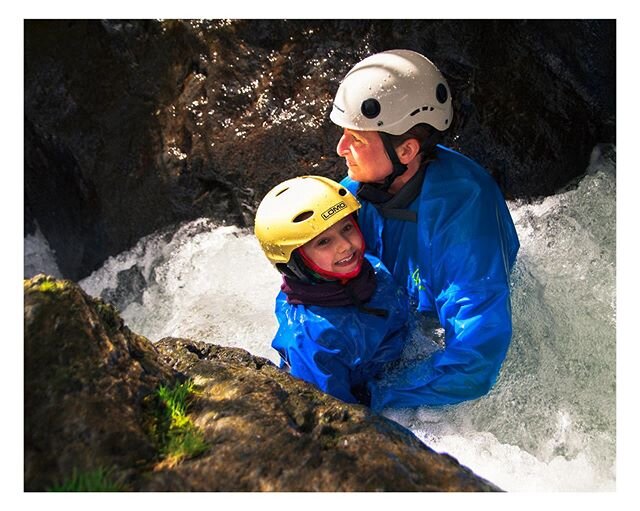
(378, 266)
(386, 284)
(300, 314)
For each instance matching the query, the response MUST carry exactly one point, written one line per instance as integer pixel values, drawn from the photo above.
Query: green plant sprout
(98, 480)
(178, 436)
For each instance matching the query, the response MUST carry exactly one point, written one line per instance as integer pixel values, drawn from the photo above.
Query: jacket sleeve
(324, 368)
(313, 350)
(468, 282)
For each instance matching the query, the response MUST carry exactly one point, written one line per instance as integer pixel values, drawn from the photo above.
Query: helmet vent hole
(416, 111)
(441, 93)
(303, 216)
(342, 192)
(370, 108)
(281, 191)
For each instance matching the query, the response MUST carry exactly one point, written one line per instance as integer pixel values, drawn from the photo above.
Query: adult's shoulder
(457, 173)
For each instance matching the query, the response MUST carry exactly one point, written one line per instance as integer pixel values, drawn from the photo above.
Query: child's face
(337, 249)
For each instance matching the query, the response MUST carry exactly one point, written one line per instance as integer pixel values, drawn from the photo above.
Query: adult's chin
(352, 172)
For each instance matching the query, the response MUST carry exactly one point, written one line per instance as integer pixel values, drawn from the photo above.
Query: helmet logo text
(333, 210)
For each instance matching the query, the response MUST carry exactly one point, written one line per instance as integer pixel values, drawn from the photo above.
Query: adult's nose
(342, 147)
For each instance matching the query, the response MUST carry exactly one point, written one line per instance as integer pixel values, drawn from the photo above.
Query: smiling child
(341, 316)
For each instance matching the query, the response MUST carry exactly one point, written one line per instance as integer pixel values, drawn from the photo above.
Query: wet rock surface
(88, 379)
(147, 123)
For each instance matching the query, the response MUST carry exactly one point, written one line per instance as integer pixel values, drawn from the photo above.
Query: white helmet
(391, 92)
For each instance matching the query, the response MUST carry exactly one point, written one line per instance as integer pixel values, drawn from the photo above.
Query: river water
(549, 424)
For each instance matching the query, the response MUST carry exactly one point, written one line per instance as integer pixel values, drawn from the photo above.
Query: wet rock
(130, 285)
(272, 432)
(147, 123)
(88, 382)
(86, 377)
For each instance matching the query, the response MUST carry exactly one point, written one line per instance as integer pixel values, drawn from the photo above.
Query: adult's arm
(471, 247)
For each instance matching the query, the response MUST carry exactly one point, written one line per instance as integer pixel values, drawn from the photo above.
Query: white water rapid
(549, 424)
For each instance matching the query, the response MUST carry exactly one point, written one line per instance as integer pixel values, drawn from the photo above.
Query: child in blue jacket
(341, 316)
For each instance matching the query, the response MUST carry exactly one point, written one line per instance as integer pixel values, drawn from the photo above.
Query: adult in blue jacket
(341, 315)
(435, 218)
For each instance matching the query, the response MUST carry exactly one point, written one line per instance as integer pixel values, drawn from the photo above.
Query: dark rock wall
(134, 125)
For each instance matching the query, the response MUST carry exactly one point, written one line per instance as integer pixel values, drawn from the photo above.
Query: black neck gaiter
(356, 291)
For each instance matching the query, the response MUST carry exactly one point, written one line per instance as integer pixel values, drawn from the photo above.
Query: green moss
(99, 480)
(52, 286)
(177, 436)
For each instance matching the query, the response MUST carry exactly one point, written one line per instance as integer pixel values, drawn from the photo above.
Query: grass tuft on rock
(177, 436)
(98, 480)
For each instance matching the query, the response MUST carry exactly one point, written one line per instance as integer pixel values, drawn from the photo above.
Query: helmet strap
(296, 269)
(398, 167)
(378, 193)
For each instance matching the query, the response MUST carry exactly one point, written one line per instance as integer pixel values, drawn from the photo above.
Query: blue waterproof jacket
(455, 262)
(340, 349)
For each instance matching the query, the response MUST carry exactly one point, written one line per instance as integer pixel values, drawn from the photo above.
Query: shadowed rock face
(134, 125)
(271, 432)
(88, 379)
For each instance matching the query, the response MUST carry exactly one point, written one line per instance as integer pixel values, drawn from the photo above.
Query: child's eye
(322, 242)
(347, 227)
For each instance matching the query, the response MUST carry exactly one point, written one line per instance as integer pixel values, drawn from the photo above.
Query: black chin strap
(378, 193)
(398, 167)
(296, 269)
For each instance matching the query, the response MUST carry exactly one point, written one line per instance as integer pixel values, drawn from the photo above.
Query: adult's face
(365, 156)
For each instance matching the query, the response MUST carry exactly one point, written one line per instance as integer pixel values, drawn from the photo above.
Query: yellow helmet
(296, 211)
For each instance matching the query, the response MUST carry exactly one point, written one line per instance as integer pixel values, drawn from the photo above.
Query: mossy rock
(86, 376)
(91, 405)
(272, 432)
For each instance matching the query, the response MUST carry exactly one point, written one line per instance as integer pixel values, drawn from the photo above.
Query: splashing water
(204, 282)
(549, 424)
(38, 256)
